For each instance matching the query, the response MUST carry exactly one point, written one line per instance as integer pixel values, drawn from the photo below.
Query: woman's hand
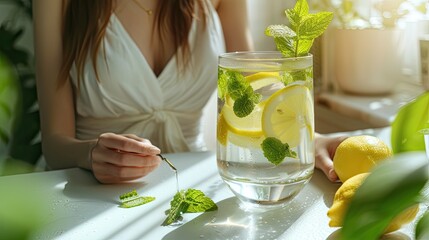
(325, 151)
(119, 158)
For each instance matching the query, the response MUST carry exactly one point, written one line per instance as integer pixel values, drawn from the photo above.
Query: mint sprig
(234, 84)
(276, 151)
(133, 199)
(305, 27)
(191, 201)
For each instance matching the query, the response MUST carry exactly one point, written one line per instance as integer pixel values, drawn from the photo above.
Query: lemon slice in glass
(286, 112)
(222, 130)
(246, 126)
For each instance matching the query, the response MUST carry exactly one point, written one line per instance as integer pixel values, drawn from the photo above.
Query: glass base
(265, 197)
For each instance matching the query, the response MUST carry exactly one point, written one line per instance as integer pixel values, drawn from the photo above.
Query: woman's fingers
(325, 151)
(128, 143)
(118, 158)
(126, 159)
(324, 163)
(123, 172)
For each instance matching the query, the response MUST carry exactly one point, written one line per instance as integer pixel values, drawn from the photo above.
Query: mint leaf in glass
(243, 106)
(233, 84)
(191, 201)
(276, 151)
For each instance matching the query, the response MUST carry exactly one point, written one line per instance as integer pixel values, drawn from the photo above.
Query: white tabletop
(78, 207)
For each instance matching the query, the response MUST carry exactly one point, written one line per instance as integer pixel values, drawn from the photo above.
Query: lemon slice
(286, 112)
(246, 126)
(258, 81)
(262, 79)
(222, 130)
(245, 141)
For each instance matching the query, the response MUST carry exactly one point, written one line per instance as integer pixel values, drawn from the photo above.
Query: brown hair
(85, 23)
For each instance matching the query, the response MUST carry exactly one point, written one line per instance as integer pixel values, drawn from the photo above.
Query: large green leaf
(392, 187)
(410, 120)
(9, 100)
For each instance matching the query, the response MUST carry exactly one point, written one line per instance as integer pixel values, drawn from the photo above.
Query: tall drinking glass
(265, 127)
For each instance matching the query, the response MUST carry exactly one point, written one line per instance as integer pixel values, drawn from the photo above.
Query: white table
(78, 207)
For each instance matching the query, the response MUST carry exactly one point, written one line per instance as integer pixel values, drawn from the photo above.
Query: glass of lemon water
(265, 126)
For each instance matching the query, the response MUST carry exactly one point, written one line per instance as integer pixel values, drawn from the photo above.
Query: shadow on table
(328, 188)
(83, 186)
(230, 221)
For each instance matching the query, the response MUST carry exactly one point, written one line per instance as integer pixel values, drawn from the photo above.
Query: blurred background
(372, 60)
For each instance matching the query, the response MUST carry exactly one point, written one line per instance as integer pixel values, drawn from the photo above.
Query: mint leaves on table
(305, 27)
(189, 201)
(132, 199)
(276, 151)
(234, 84)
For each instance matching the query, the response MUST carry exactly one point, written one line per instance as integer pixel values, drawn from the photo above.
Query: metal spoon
(168, 162)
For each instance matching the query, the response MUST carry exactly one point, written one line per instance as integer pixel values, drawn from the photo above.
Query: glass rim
(236, 56)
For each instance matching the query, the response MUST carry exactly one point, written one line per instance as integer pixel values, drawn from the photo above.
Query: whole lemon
(358, 154)
(344, 195)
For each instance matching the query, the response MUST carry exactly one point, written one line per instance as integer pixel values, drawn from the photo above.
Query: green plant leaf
(313, 25)
(410, 119)
(198, 202)
(422, 227)
(305, 28)
(285, 46)
(296, 14)
(191, 201)
(304, 47)
(392, 187)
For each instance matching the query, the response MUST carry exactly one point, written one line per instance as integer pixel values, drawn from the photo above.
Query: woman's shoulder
(215, 3)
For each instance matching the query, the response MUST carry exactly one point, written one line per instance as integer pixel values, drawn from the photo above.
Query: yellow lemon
(342, 199)
(344, 195)
(359, 154)
(222, 130)
(287, 112)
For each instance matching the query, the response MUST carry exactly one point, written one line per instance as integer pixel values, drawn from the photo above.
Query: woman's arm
(235, 24)
(60, 148)
(111, 157)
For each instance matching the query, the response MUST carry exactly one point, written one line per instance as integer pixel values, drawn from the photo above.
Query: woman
(110, 72)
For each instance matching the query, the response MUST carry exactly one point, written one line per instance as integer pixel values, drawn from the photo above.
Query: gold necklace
(148, 11)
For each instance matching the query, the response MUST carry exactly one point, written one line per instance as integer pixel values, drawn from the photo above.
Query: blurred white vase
(367, 61)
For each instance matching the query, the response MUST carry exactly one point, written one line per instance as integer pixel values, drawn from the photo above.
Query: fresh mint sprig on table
(235, 85)
(133, 199)
(305, 27)
(191, 201)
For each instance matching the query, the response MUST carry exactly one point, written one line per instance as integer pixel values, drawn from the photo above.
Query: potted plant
(365, 47)
(20, 146)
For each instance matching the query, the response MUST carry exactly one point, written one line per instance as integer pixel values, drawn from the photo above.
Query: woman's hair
(85, 23)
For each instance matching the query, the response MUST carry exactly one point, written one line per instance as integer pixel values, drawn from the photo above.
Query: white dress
(129, 98)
